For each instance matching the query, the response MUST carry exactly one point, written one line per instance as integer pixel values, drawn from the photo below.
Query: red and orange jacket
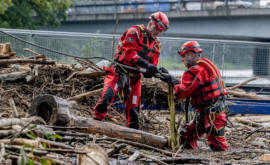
(202, 82)
(134, 44)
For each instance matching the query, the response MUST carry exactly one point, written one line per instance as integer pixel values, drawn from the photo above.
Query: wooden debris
(242, 84)
(24, 61)
(13, 107)
(247, 95)
(14, 76)
(113, 130)
(91, 75)
(37, 55)
(185, 160)
(95, 155)
(6, 51)
(21, 121)
(247, 122)
(116, 149)
(87, 94)
(148, 157)
(265, 158)
(62, 81)
(134, 156)
(54, 110)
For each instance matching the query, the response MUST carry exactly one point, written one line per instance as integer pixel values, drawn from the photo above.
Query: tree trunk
(58, 111)
(54, 110)
(113, 130)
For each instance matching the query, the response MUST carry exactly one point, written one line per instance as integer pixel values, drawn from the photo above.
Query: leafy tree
(4, 5)
(31, 14)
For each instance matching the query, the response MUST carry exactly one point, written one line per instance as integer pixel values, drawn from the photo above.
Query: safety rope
(174, 136)
(212, 116)
(196, 128)
(68, 55)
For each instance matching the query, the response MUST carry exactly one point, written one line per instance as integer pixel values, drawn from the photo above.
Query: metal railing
(237, 60)
(134, 6)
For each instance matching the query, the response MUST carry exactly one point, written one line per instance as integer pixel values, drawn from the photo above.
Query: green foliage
(24, 159)
(31, 14)
(51, 136)
(47, 161)
(4, 5)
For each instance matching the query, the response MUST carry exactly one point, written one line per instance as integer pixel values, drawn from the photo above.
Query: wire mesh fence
(237, 61)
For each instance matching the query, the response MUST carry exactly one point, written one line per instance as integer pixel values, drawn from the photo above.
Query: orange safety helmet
(160, 20)
(190, 45)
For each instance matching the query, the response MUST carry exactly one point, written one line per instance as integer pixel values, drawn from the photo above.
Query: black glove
(163, 70)
(150, 68)
(147, 75)
(171, 79)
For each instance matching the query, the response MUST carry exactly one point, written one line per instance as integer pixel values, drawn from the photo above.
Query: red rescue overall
(134, 44)
(202, 82)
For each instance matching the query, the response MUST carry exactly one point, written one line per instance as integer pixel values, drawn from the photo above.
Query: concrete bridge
(252, 24)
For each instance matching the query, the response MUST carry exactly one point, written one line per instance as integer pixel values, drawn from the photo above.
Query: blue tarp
(236, 106)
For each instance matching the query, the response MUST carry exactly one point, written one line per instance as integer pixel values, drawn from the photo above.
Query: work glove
(171, 79)
(150, 68)
(163, 70)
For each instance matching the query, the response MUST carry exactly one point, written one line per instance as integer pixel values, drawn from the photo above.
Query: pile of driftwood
(46, 117)
(64, 95)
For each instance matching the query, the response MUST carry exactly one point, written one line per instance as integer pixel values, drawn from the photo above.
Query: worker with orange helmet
(138, 47)
(203, 84)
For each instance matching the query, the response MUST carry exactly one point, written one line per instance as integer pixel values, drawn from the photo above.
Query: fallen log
(22, 141)
(91, 75)
(14, 76)
(56, 111)
(113, 130)
(242, 84)
(258, 119)
(247, 95)
(247, 122)
(23, 61)
(21, 121)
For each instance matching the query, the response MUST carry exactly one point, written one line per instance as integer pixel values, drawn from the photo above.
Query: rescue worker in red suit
(138, 47)
(202, 83)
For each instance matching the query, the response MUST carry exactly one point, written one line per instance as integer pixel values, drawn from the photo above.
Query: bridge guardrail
(134, 6)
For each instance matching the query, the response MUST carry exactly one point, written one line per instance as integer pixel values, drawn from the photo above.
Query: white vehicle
(232, 4)
(264, 3)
